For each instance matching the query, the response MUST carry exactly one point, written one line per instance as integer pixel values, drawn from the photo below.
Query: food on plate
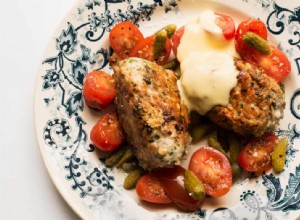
(127, 41)
(172, 181)
(279, 154)
(156, 48)
(107, 133)
(253, 25)
(233, 93)
(123, 37)
(207, 79)
(170, 29)
(199, 130)
(257, 43)
(227, 89)
(114, 158)
(132, 178)
(255, 106)
(150, 189)
(193, 185)
(126, 157)
(151, 112)
(217, 24)
(256, 154)
(213, 170)
(274, 63)
(99, 89)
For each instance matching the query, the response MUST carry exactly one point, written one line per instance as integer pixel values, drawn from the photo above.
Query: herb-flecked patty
(151, 112)
(256, 103)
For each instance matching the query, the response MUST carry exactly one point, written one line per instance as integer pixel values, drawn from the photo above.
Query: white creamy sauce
(207, 79)
(208, 72)
(207, 22)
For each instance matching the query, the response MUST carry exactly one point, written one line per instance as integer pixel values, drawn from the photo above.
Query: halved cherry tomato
(171, 180)
(213, 169)
(253, 25)
(176, 38)
(144, 49)
(226, 23)
(123, 37)
(275, 65)
(256, 155)
(149, 189)
(107, 133)
(99, 89)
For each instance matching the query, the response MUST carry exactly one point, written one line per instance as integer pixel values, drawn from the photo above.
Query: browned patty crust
(151, 112)
(255, 106)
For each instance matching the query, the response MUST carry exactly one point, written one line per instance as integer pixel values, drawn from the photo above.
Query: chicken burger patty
(255, 106)
(151, 112)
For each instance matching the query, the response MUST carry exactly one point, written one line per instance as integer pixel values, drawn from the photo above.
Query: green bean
(159, 43)
(214, 143)
(127, 156)
(115, 157)
(132, 178)
(170, 29)
(171, 65)
(195, 118)
(279, 155)
(234, 147)
(222, 136)
(199, 131)
(130, 166)
(236, 170)
(193, 185)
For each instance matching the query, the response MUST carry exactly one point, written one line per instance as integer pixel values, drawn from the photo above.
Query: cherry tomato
(123, 37)
(226, 23)
(213, 169)
(275, 65)
(176, 38)
(172, 181)
(149, 189)
(99, 89)
(256, 155)
(253, 25)
(107, 133)
(144, 49)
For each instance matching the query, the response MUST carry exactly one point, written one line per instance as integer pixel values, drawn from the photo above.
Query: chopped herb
(147, 68)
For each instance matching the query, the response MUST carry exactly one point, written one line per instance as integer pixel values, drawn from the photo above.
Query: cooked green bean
(115, 157)
(193, 185)
(127, 156)
(170, 29)
(159, 43)
(171, 65)
(222, 136)
(234, 147)
(236, 169)
(195, 118)
(279, 154)
(199, 131)
(130, 166)
(132, 178)
(214, 143)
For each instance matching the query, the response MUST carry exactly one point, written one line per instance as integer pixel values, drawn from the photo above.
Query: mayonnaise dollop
(207, 79)
(206, 61)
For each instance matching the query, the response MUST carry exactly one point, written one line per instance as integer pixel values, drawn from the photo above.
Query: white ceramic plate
(80, 44)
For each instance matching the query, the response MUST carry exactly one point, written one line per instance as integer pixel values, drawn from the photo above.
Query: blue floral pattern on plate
(63, 122)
